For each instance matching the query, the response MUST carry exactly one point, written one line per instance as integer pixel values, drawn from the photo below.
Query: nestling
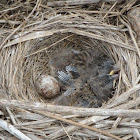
(85, 76)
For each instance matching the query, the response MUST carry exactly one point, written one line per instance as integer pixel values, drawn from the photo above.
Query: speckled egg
(47, 86)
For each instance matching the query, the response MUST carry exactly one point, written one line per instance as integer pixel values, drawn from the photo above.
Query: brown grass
(31, 32)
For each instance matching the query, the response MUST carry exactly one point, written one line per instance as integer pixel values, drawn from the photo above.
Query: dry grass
(31, 32)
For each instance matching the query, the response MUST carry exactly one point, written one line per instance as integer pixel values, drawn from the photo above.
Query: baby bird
(85, 76)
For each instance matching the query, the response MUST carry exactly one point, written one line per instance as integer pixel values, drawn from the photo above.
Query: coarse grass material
(31, 32)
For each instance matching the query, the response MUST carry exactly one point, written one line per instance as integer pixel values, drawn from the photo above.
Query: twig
(11, 129)
(13, 8)
(10, 21)
(136, 132)
(39, 34)
(122, 131)
(122, 123)
(123, 97)
(109, 10)
(70, 3)
(11, 115)
(93, 12)
(88, 121)
(71, 110)
(73, 2)
(132, 36)
(34, 35)
(66, 132)
(37, 3)
(77, 124)
(105, 39)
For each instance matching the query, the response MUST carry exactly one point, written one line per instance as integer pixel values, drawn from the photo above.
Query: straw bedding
(33, 31)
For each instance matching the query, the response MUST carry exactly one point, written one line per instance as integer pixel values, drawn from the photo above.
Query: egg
(47, 86)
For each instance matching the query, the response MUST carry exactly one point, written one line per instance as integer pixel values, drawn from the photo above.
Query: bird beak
(115, 71)
(114, 74)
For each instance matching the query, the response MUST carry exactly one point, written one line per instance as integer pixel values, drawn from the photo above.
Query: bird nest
(31, 32)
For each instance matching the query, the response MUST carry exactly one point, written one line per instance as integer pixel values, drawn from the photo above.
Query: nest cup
(29, 59)
(32, 59)
(26, 53)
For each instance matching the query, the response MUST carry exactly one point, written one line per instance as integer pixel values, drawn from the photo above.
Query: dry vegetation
(30, 32)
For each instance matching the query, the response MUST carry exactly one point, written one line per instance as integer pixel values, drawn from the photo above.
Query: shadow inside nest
(86, 76)
(81, 67)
